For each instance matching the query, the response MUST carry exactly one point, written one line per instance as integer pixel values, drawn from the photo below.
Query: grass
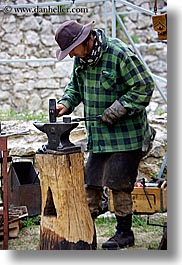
(30, 221)
(105, 226)
(147, 236)
(24, 115)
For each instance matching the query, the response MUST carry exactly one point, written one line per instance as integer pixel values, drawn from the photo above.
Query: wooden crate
(156, 195)
(14, 228)
(14, 217)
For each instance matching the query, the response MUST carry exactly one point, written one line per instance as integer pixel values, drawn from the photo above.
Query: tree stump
(66, 223)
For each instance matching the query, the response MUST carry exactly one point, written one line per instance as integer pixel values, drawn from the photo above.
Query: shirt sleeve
(139, 82)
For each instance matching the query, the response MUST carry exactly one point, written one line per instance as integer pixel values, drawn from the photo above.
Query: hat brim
(60, 55)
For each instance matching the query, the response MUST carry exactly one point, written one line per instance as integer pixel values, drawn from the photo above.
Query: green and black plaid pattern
(118, 75)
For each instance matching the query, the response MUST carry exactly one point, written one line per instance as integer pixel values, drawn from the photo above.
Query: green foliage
(24, 115)
(105, 226)
(109, 223)
(105, 221)
(29, 221)
(146, 236)
(135, 38)
(138, 221)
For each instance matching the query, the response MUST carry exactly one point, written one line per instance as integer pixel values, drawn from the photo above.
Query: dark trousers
(117, 171)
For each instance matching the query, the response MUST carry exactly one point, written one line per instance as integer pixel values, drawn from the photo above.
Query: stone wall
(29, 85)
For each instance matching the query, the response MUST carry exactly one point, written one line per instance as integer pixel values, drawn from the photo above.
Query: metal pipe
(113, 19)
(139, 54)
(141, 9)
(105, 16)
(44, 60)
(162, 167)
(50, 3)
(164, 80)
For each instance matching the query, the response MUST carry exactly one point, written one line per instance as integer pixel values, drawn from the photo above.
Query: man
(111, 82)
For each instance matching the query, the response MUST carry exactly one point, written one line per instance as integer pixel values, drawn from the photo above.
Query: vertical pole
(113, 19)
(3, 148)
(105, 16)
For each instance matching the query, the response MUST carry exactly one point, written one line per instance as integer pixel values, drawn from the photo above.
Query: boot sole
(119, 247)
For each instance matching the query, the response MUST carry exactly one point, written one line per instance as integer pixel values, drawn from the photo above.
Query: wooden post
(3, 148)
(66, 223)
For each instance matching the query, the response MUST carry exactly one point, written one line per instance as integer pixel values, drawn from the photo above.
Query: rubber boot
(124, 235)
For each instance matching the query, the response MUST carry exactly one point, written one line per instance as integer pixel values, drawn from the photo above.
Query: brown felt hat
(69, 35)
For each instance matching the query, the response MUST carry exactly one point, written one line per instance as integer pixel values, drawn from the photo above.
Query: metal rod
(164, 80)
(105, 16)
(114, 15)
(44, 60)
(148, 223)
(162, 167)
(88, 118)
(146, 193)
(50, 3)
(139, 54)
(141, 9)
(113, 19)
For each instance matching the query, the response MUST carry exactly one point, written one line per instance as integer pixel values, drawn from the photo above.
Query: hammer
(53, 114)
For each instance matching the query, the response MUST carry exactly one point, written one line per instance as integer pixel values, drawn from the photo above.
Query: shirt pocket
(108, 80)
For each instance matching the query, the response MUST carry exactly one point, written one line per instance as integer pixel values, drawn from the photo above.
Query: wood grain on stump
(66, 222)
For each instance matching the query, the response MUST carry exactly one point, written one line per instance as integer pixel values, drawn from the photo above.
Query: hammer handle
(88, 118)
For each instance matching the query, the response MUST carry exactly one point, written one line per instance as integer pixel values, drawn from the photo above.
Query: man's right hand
(61, 110)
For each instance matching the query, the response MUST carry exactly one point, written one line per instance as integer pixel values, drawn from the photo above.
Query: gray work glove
(113, 113)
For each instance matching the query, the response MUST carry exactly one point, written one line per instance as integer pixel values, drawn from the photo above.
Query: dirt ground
(147, 237)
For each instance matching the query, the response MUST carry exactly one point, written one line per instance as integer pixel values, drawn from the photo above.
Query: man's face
(78, 51)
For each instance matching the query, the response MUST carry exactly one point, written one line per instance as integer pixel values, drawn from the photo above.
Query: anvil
(58, 136)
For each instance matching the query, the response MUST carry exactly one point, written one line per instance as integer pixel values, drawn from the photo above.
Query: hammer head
(52, 110)
(58, 135)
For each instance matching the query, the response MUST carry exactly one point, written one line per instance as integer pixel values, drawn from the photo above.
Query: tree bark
(66, 222)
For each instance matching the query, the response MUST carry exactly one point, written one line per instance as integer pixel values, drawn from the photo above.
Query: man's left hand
(112, 114)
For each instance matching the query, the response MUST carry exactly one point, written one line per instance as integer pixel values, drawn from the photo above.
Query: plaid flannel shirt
(118, 75)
